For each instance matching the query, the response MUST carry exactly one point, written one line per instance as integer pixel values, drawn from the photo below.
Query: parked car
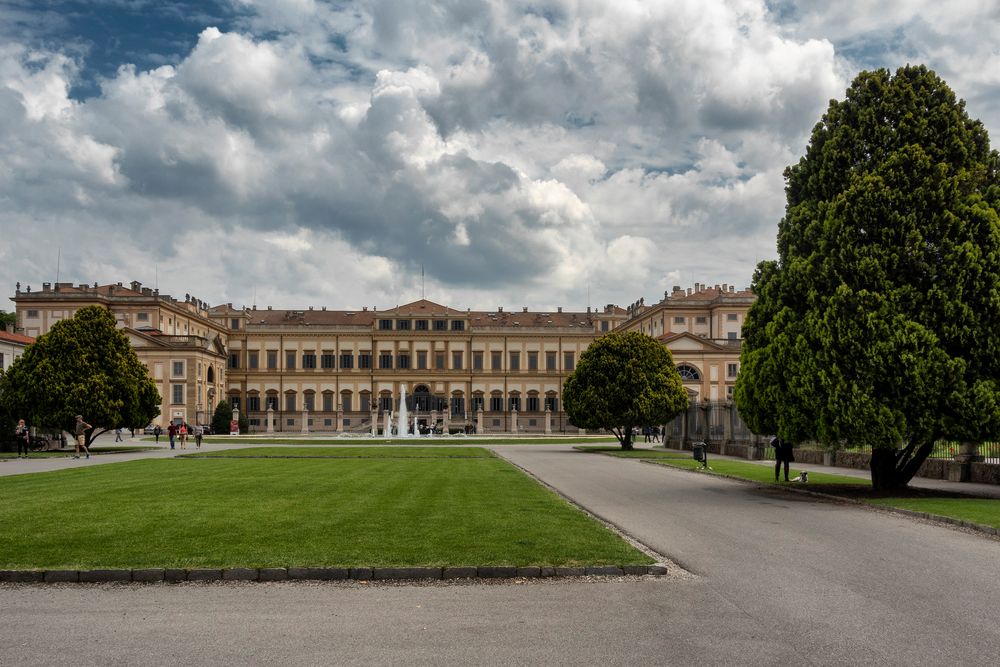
(149, 429)
(206, 429)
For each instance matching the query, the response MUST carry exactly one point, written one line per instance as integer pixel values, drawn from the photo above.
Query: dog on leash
(803, 477)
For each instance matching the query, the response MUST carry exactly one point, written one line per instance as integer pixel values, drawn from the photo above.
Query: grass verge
(399, 442)
(337, 512)
(983, 511)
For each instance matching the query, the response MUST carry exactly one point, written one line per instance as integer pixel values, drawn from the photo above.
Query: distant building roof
(16, 338)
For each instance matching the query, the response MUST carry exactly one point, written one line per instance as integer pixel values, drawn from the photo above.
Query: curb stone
(381, 573)
(150, 574)
(611, 570)
(273, 574)
(241, 574)
(529, 571)
(202, 574)
(361, 573)
(497, 572)
(59, 576)
(175, 574)
(100, 576)
(570, 572)
(22, 576)
(459, 573)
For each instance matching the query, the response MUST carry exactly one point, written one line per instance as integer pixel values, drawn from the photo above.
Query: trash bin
(698, 449)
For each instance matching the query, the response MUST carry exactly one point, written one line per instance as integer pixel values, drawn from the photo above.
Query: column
(513, 421)
(479, 421)
(548, 420)
(270, 418)
(340, 417)
(305, 420)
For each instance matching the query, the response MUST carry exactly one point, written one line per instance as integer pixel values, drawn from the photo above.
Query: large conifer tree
(877, 325)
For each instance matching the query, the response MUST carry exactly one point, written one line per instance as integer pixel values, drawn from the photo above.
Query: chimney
(499, 309)
(559, 309)
(725, 287)
(689, 291)
(524, 309)
(310, 307)
(269, 307)
(322, 307)
(136, 285)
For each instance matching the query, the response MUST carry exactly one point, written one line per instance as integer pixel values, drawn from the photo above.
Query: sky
(478, 153)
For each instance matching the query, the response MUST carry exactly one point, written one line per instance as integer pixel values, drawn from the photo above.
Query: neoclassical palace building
(322, 370)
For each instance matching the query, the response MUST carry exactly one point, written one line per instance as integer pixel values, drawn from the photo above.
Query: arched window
(688, 372)
(210, 375)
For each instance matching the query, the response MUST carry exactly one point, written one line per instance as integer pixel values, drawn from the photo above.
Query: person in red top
(172, 432)
(182, 431)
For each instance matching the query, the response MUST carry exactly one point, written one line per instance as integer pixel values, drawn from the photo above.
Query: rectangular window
(309, 402)
(552, 403)
(384, 403)
(177, 391)
(1, 360)
(385, 325)
(328, 360)
(731, 317)
(679, 320)
(515, 403)
(32, 314)
(604, 325)
(439, 361)
(234, 323)
(458, 325)
(496, 403)
(272, 359)
(532, 361)
(253, 359)
(289, 422)
(731, 335)
(234, 360)
(515, 361)
(366, 402)
(271, 402)
(496, 360)
(290, 402)
(290, 359)
(701, 319)
(308, 360)
(568, 361)
(440, 325)
(253, 403)
(477, 403)
(234, 402)
(420, 325)
(477, 361)
(457, 405)
(421, 360)
(365, 360)
(385, 360)
(550, 361)
(327, 402)
(456, 360)
(142, 317)
(403, 325)
(345, 403)
(178, 369)
(532, 404)
(731, 370)
(346, 360)
(403, 360)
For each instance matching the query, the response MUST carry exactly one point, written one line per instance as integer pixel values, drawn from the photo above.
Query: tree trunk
(627, 439)
(893, 469)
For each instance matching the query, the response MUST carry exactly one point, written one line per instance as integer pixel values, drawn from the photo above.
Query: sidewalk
(968, 488)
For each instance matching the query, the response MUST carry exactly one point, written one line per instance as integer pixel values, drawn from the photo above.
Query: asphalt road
(777, 579)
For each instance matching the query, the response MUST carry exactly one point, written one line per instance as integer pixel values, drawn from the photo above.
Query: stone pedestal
(513, 421)
(374, 422)
(305, 420)
(548, 421)
(270, 419)
(960, 470)
(479, 421)
(340, 419)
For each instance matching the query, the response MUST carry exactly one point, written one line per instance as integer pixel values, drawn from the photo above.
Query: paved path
(778, 579)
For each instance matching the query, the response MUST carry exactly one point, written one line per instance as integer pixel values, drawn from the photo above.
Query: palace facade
(342, 371)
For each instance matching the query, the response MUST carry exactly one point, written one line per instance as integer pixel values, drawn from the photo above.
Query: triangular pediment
(424, 307)
(688, 342)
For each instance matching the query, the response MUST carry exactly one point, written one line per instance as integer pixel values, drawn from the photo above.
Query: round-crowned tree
(624, 380)
(84, 365)
(877, 323)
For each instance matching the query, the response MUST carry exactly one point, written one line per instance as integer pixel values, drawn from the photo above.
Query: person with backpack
(23, 436)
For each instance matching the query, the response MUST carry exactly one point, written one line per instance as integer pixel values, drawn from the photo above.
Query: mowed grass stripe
(347, 452)
(281, 512)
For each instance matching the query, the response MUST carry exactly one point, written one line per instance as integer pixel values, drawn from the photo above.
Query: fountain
(402, 419)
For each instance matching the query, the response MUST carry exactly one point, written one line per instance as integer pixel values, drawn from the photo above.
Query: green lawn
(338, 512)
(398, 442)
(346, 452)
(985, 511)
(69, 452)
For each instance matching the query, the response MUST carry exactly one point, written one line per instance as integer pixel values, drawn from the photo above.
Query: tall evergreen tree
(876, 326)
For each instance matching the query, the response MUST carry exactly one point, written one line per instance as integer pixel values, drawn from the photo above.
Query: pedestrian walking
(782, 455)
(182, 433)
(172, 432)
(198, 432)
(23, 437)
(156, 432)
(81, 436)
(118, 434)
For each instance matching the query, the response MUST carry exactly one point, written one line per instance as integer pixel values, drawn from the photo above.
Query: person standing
(81, 436)
(182, 433)
(172, 432)
(198, 432)
(156, 432)
(23, 436)
(118, 434)
(782, 455)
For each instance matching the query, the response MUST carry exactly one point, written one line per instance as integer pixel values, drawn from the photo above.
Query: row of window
(403, 360)
(386, 403)
(421, 325)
